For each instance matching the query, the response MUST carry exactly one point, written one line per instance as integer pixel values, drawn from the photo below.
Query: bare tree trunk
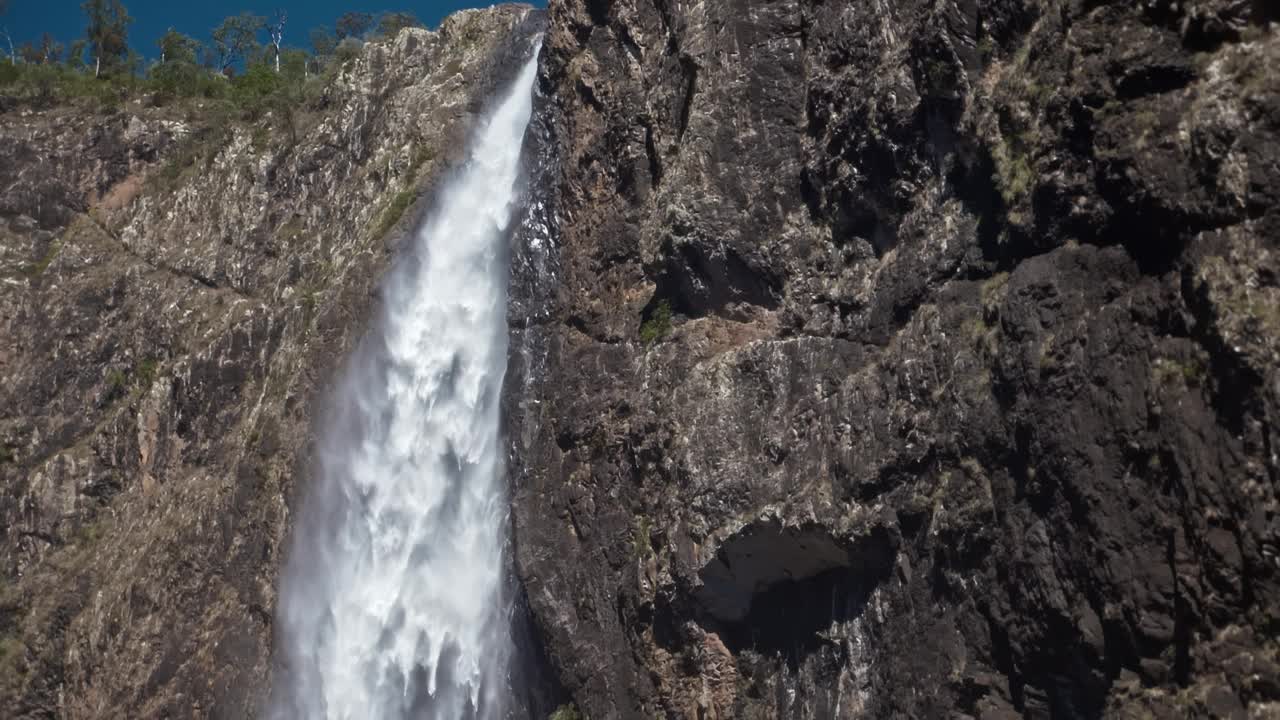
(97, 65)
(277, 34)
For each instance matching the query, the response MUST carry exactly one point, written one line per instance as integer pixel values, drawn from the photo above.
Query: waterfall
(391, 602)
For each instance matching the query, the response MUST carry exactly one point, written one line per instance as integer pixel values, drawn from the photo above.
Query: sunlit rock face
(173, 304)
(903, 359)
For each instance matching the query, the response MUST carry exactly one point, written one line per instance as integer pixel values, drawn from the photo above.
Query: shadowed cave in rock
(776, 590)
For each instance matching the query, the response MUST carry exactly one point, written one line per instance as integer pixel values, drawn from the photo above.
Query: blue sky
(27, 19)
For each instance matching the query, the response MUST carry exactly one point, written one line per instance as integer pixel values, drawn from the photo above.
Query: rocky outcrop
(903, 359)
(173, 295)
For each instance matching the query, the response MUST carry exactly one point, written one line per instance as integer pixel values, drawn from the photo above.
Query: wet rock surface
(902, 359)
(172, 304)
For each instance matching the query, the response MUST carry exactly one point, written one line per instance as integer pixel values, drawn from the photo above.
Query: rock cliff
(912, 359)
(173, 296)
(869, 359)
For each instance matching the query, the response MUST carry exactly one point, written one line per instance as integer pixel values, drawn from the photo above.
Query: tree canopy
(247, 65)
(236, 39)
(107, 33)
(391, 23)
(353, 25)
(176, 47)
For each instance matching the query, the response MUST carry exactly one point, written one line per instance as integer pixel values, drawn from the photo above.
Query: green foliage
(198, 148)
(403, 199)
(1015, 175)
(107, 35)
(75, 56)
(293, 64)
(236, 39)
(992, 292)
(30, 54)
(182, 79)
(641, 544)
(116, 382)
(568, 711)
(50, 50)
(146, 372)
(257, 83)
(178, 48)
(143, 375)
(349, 49)
(658, 326)
(323, 42)
(353, 25)
(1168, 372)
(390, 24)
(399, 204)
(986, 47)
(37, 268)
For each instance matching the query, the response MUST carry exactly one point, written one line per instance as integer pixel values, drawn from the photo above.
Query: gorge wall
(911, 359)
(174, 300)
(868, 359)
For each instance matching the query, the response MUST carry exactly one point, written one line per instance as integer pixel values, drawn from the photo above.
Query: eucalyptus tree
(107, 34)
(236, 38)
(276, 30)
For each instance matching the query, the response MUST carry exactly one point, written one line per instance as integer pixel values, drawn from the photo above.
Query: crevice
(690, 71)
(651, 151)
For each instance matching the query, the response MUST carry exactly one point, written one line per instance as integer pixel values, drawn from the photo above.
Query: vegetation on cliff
(245, 61)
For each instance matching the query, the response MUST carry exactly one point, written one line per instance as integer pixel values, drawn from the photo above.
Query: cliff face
(868, 359)
(910, 358)
(173, 297)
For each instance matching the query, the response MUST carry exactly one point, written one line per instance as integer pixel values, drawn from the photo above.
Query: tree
(276, 29)
(107, 34)
(353, 25)
(29, 53)
(177, 48)
(177, 73)
(4, 32)
(236, 38)
(50, 50)
(322, 42)
(390, 24)
(75, 56)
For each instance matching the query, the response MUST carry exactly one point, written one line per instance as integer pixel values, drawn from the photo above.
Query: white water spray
(391, 604)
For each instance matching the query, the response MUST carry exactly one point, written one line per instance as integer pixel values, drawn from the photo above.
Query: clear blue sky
(27, 19)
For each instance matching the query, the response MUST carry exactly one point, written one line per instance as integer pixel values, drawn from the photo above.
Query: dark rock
(967, 406)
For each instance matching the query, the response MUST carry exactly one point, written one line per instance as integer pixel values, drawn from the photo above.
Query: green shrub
(253, 91)
(641, 544)
(116, 381)
(35, 269)
(658, 326)
(146, 372)
(568, 711)
(399, 204)
(349, 49)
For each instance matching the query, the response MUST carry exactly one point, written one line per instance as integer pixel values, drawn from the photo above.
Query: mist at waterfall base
(392, 602)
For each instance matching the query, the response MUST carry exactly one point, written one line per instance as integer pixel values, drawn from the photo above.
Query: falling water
(391, 604)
